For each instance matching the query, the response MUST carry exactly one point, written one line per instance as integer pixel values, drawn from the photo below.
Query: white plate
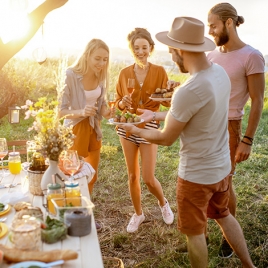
(111, 121)
(27, 264)
(160, 99)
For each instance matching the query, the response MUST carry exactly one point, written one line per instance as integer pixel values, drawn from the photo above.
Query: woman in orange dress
(147, 77)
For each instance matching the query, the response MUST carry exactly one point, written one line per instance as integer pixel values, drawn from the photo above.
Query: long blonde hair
(80, 66)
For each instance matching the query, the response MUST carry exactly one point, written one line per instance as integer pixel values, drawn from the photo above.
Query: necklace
(141, 74)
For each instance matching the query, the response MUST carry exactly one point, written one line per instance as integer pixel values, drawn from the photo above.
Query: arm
(36, 18)
(149, 115)
(167, 136)
(256, 85)
(89, 110)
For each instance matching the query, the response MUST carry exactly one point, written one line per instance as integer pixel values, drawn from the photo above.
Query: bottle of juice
(72, 193)
(14, 162)
(54, 191)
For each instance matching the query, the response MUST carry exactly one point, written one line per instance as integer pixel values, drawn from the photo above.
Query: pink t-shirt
(239, 64)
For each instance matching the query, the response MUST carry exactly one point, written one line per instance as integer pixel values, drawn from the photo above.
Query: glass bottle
(31, 149)
(54, 191)
(14, 162)
(72, 193)
(38, 162)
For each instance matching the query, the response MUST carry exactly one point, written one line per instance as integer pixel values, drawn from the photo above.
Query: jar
(26, 233)
(72, 193)
(14, 162)
(38, 162)
(54, 190)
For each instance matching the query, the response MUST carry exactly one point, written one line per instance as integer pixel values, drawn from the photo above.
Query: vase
(52, 169)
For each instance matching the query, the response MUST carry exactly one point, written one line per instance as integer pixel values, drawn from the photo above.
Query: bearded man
(245, 68)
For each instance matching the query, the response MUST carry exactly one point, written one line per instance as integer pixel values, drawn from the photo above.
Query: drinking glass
(71, 162)
(130, 87)
(3, 153)
(111, 99)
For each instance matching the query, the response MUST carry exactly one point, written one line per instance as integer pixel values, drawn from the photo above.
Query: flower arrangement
(52, 136)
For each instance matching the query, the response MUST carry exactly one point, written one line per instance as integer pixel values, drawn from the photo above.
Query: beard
(223, 37)
(179, 62)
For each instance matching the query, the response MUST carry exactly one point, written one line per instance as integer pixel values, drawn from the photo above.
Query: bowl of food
(53, 230)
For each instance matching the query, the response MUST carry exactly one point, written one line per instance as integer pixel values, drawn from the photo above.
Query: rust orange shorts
(86, 138)
(197, 202)
(235, 133)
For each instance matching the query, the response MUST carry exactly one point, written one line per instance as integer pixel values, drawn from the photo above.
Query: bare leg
(131, 153)
(148, 161)
(197, 249)
(232, 197)
(93, 159)
(234, 235)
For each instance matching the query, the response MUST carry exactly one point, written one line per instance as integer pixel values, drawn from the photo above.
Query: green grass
(156, 244)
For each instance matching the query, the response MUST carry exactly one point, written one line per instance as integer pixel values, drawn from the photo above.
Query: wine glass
(71, 163)
(111, 99)
(3, 153)
(130, 87)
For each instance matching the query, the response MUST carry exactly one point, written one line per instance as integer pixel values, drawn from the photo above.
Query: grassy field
(159, 245)
(156, 244)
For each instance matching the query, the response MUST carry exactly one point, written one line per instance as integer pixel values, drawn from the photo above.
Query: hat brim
(208, 45)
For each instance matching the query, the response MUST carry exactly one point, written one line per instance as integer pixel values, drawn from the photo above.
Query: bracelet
(250, 144)
(249, 138)
(153, 116)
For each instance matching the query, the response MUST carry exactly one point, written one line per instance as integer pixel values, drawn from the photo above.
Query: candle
(15, 116)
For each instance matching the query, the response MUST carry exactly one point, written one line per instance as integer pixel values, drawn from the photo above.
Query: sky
(78, 21)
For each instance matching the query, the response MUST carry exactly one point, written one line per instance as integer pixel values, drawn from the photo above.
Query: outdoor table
(87, 247)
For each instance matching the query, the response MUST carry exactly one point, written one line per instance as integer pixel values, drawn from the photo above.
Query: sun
(13, 25)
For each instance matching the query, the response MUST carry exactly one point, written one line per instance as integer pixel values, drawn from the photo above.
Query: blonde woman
(84, 101)
(148, 77)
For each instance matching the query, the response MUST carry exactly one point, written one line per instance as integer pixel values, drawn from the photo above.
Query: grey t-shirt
(202, 101)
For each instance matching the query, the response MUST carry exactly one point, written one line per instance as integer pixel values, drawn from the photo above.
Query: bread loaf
(16, 255)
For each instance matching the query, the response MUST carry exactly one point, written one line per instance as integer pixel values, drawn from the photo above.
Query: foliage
(51, 135)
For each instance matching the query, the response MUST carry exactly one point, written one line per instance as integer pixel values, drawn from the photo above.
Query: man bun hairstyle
(226, 11)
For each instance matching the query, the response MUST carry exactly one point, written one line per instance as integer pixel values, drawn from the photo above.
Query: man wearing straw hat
(199, 116)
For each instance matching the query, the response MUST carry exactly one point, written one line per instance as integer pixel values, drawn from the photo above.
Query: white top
(92, 95)
(202, 101)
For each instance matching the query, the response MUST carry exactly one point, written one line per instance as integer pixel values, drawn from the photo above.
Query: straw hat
(187, 34)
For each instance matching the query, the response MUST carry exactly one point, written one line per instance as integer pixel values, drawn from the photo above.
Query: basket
(35, 178)
(112, 262)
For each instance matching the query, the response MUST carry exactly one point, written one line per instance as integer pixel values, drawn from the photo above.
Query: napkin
(86, 170)
(14, 197)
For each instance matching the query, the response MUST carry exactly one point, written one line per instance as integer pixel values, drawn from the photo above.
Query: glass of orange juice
(14, 163)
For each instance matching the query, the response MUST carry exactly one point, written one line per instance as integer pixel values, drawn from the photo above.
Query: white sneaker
(135, 222)
(167, 213)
